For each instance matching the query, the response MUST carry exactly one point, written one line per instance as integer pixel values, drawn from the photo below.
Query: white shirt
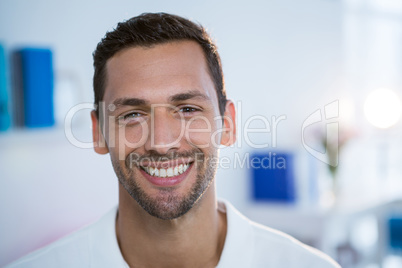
(247, 244)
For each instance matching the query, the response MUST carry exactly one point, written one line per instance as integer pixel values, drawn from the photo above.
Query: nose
(165, 131)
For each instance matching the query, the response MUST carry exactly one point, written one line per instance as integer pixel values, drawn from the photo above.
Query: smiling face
(162, 125)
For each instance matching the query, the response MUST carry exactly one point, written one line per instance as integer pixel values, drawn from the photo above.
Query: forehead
(155, 73)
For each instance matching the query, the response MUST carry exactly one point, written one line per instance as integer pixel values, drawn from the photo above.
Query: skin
(155, 74)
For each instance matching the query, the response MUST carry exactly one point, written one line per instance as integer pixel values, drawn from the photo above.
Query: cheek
(202, 133)
(133, 136)
(123, 139)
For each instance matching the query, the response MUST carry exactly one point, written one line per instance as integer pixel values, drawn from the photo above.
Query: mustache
(135, 159)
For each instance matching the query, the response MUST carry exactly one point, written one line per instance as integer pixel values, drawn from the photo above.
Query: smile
(166, 172)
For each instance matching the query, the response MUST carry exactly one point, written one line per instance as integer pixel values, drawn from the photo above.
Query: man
(162, 113)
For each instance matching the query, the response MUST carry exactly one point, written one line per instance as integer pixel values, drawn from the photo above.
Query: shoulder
(261, 246)
(69, 251)
(92, 246)
(286, 251)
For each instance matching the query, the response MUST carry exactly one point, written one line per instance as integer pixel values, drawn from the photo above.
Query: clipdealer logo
(331, 116)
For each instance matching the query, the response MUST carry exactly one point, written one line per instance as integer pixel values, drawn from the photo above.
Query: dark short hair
(150, 29)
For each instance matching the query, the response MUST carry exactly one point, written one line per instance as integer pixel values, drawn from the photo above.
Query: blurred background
(317, 86)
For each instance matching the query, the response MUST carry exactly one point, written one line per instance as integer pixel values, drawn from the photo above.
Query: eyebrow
(129, 102)
(193, 94)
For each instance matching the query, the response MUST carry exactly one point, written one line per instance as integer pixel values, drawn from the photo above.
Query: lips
(166, 172)
(165, 177)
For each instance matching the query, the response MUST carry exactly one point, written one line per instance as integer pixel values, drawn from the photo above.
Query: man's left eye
(188, 109)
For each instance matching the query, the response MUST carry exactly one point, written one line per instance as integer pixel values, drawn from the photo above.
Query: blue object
(4, 101)
(37, 86)
(395, 232)
(273, 177)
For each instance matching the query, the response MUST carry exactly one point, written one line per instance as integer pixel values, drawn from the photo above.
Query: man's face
(162, 125)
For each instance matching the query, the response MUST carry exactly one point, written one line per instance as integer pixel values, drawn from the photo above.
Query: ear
(229, 125)
(98, 139)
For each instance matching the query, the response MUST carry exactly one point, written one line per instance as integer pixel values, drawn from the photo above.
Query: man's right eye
(131, 117)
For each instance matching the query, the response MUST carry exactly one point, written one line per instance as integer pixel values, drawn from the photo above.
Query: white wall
(279, 58)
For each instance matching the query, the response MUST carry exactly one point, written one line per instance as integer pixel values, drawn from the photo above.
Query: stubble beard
(168, 204)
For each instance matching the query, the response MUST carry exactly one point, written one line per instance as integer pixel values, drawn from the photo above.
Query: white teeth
(170, 172)
(185, 167)
(162, 173)
(180, 169)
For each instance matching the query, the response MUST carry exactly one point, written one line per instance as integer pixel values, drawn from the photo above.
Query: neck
(195, 239)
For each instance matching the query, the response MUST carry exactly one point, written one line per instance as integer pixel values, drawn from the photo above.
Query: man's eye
(131, 116)
(189, 109)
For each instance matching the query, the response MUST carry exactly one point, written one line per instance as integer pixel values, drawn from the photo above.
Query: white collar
(103, 241)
